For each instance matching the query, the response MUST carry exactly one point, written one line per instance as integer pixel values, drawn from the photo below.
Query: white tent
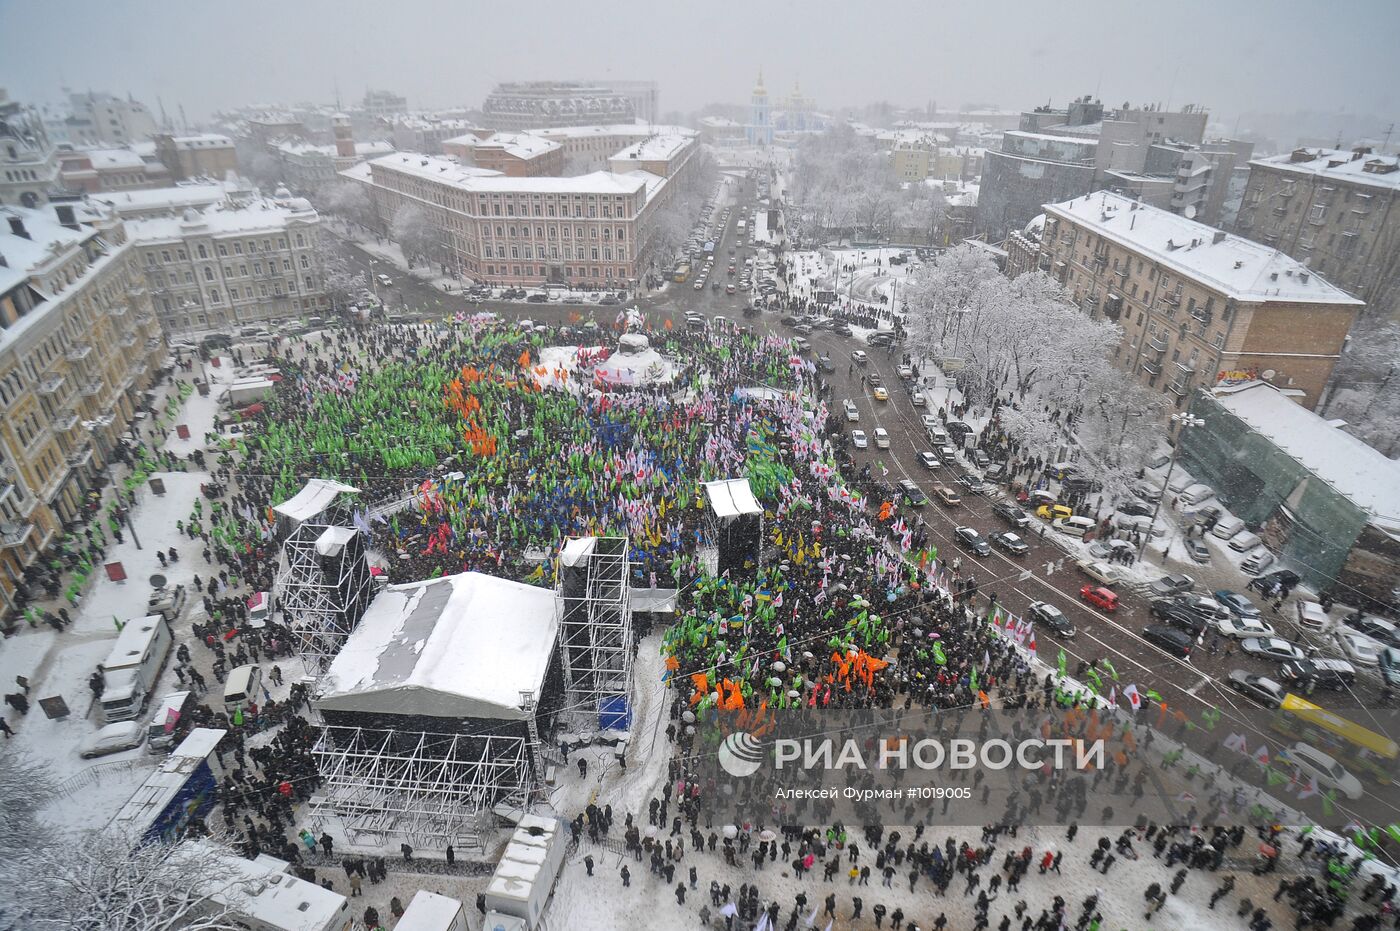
(319, 494)
(732, 497)
(460, 646)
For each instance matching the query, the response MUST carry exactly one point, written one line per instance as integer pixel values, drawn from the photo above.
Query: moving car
(1177, 615)
(881, 394)
(1172, 584)
(1242, 627)
(974, 485)
(1047, 615)
(825, 364)
(1100, 572)
(859, 357)
(1099, 597)
(1170, 639)
(1312, 763)
(1011, 514)
(971, 540)
(1262, 689)
(852, 412)
(929, 460)
(1272, 648)
(882, 438)
(1010, 543)
(384, 280)
(913, 494)
(1235, 603)
(113, 738)
(859, 439)
(947, 495)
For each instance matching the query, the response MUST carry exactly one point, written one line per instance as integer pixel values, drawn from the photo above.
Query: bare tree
(100, 881)
(417, 235)
(26, 786)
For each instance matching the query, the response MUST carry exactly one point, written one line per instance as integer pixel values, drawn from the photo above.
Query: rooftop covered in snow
(1354, 167)
(460, 646)
(1357, 471)
(1237, 267)
(446, 170)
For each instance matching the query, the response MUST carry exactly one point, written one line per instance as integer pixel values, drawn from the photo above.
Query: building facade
(580, 230)
(198, 155)
(1196, 304)
(244, 260)
(538, 104)
(79, 342)
(588, 148)
(98, 120)
(517, 155)
(28, 157)
(90, 171)
(427, 134)
(1320, 499)
(1335, 211)
(384, 105)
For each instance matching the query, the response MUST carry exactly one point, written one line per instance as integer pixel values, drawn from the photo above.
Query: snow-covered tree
(342, 282)
(99, 881)
(939, 294)
(26, 786)
(1119, 427)
(417, 235)
(349, 201)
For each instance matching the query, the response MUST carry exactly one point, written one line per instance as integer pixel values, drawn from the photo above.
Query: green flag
(1063, 661)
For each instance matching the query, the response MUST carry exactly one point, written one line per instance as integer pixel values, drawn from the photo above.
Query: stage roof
(460, 646)
(315, 497)
(732, 498)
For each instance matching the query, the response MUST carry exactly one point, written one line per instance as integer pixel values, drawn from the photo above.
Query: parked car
(1359, 648)
(1047, 615)
(1242, 627)
(1100, 597)
(1010, 543)
(1135, 509)
(1198, 552)
(1262, 689)
(1226, 527)
(1308, 674)
(1174, 641)
(1165, 609)
(1172, 584)
(1244, 541)
(1100, 572)
(1311, 616)
(1074, 526)
(1376, 628)
(1011, 514)
(1262, 584)
(1236, 604)
(1272, 648)
(1259, 559)
(1312, 763)
(1195, 494)
(974, 485)
(972, 541)
(1053, 512)
(113, 738)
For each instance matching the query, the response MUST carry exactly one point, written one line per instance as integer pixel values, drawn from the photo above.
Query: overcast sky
(1231, 55)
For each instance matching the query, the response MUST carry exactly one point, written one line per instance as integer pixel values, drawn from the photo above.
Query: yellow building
(78, 344)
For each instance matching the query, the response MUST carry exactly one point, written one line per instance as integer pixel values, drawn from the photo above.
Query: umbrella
(730, 831)
(1268, 850)
(767, 834)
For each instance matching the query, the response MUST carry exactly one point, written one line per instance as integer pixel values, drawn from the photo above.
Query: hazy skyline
(1235, 57)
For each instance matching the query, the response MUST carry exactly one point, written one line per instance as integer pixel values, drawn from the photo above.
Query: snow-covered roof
(613, 129)
(732, 497)
(260, 215)
(202, 141)
(197, 194)
(429, 910)
(518, 145)
(1237, 267)
(1357, 471)
(445, 170)
(112, 158)
(460, 646)
(47, 238)
(314, 497)
(719, 122)
(1338, 165)
(1051, 137)
(654, 148)
(265, 891)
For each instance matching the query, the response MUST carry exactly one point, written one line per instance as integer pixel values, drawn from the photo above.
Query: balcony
(1172, 300)
(116, 311)
(64, 421)
(78, 352)
(79, 458)
(128, 339)
(13, 534)
(1177, 388)
(8, 490)
(1157, 344)
(1151, 368)
(94, 387)
(154, 343)
(51, 383)
(1185, 368)
(135, 291)
(1100, 259)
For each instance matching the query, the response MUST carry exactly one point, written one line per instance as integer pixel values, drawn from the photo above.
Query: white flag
(1134, 699)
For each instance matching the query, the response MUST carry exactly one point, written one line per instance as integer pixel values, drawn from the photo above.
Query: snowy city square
(430, 499)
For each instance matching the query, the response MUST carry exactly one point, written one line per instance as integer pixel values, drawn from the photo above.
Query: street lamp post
(1182, 420)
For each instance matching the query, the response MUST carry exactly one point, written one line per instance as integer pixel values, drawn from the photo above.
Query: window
(208, 273)
(281, 242)
(243, 270)
(301, 240)
(203, 253)
(238, 248)
(165, 255)
(214, 296)
(310, 285)
(305, 262)
(223, 250)
(233, 294)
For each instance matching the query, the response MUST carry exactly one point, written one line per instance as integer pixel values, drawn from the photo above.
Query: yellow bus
(681, 274)
(1360, 750)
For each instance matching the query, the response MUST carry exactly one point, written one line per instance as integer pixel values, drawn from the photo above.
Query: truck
(168, 602)
(432, 912)
(133, 666)
(524, 878)
(242, 393)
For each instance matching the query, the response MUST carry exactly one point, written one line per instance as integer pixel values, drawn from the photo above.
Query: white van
(1244, 541)
(1226, 527)
(1076, 526)
(161, 731)
(133, 667)
(243, 686)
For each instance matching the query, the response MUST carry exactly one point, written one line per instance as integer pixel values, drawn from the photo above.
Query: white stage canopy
(319, 494)
(732, 498)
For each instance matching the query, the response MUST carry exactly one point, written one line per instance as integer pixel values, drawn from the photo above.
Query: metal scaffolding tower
(596, 633)
(324, 589)
(426, 789)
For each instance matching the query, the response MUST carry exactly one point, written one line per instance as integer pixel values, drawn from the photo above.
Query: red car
(1099, 597)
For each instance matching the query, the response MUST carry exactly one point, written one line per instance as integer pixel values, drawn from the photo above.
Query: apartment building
(28, 156)
(588, 148)
(530, 231)
(1197, 305)
(79, 342)
(536, 104)
(93, 170)
(197, 155)
(518, 155)
(1337, 212)
(243, 260)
